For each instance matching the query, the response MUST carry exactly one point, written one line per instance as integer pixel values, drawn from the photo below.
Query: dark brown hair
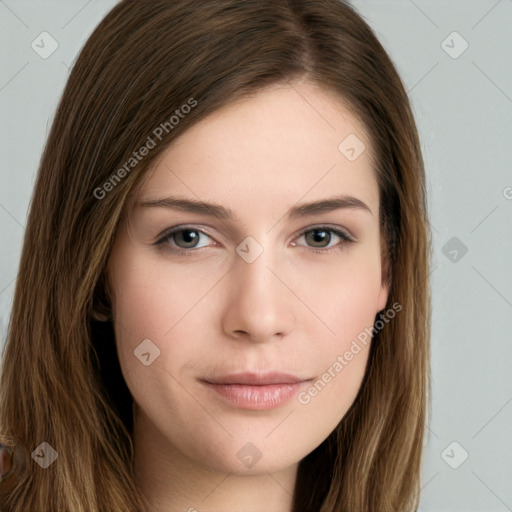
(61, 381)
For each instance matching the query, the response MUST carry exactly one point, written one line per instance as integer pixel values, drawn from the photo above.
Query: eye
(182, 239)
(320, 238)
(186, 240)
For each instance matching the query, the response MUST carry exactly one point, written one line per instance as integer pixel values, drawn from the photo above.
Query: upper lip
(256, 379)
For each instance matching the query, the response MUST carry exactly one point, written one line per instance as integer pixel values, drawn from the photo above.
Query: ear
(385, 277)
(99, 314)
(101, 309)
(383, 296)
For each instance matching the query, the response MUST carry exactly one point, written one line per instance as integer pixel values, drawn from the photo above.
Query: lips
(255, 391)
(256, 379)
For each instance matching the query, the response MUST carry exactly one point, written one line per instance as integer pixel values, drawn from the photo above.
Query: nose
(259, 307)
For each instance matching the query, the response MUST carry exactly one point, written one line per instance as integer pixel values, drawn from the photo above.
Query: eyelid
(179, 227)
(167, 233)
(341, 231)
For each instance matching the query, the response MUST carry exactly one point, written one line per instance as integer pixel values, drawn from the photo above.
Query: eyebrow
(216, 210)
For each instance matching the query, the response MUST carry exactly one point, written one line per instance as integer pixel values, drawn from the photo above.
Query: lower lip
(258, 398)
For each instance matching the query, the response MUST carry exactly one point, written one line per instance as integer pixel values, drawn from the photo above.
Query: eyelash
(163, 241)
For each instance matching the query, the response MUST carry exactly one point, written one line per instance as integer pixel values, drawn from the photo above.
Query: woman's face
(236, 335)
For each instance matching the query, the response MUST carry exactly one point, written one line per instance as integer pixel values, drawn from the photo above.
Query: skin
(211, 312)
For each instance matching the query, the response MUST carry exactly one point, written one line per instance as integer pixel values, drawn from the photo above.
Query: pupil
(319, 236)
(189, 236)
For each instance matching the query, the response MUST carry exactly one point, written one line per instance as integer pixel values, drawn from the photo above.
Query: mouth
(256, 391)
(256, 379)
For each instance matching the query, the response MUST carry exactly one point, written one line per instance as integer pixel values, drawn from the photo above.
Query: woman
(223, 298)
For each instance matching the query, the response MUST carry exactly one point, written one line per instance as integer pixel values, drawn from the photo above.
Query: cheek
(155, 315)
(153, 300)
(339, 359)
(345, 301)
(344, 294)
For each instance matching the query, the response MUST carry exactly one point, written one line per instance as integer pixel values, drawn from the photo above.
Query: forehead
(286, 143)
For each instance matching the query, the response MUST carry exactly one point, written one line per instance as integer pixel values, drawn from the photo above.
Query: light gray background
(463, 108)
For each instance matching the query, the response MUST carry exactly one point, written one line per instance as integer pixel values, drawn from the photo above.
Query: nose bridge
(255, 275)
(259, 304)
(253, 262)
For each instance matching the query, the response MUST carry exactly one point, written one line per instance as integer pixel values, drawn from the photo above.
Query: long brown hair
(60, 380)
